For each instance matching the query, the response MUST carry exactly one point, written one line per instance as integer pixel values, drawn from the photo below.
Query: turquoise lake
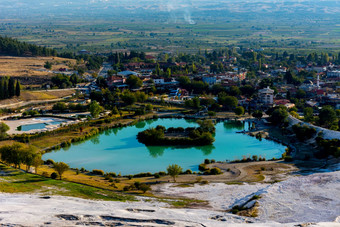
(117, 150)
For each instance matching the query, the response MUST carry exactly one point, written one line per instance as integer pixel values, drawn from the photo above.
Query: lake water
(117, 150)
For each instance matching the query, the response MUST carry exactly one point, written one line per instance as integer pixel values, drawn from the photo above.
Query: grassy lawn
(16, 181)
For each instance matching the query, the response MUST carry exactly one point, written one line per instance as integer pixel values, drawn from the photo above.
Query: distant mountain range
(11, 9)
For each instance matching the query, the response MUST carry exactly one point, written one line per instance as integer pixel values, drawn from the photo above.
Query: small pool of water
(29, 127)
(118, 150)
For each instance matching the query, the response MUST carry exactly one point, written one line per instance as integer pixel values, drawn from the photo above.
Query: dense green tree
(11, 87)
(174, 170)
(134, 82)
(95, 109)
(3, 129)
(308, 114)
(228, 102)
(13, 47)
(279, 115)
(128, 98)
(239, 110)
(48, 65)
(327, 116)
(59, 106)
(60, 167)
(17, 89)
(257, 114)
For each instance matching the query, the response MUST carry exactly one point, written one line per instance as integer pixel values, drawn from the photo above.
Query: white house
(266, 96)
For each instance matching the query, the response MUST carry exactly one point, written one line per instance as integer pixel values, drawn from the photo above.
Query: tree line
(9, 88)
(13, 47)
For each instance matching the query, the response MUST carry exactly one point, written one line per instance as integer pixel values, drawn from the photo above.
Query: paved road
(106, 67)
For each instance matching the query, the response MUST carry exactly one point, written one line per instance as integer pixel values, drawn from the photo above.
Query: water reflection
(230, 125)
(150, 121)
(141, 124)
(206, 150)
(156, 151)
(95, 140)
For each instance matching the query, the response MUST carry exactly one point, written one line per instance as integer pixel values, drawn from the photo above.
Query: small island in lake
(191, 136)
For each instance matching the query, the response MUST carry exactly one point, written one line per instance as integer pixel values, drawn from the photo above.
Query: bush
(98, 172)
(215, 171)
(126, 188)
(162, 173)
(206, 161)
(288, 159)
(45, 174)
(156, 175)
(112, 174)
(303, 133)
(188, 171)
(202, 167)
(54, 175)
(144, 187)
(49, 162)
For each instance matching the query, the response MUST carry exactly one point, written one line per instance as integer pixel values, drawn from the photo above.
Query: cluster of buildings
(322, 89)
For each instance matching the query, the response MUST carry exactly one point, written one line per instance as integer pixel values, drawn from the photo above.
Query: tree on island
(174, 170)
(60, 167)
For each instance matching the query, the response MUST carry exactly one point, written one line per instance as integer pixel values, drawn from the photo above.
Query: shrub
(112, 174)
(255, 158)
(137, 185)
(49, 162)
(215, 171)
(202, 167)
(98, 172)
(144, 187)
(212, 161)
(157, 175)
(54, 175)
(188, 171)
(126, 188)
(288, 159)
(303, 133)
(206, 161)
(162, 173)
(117, 180)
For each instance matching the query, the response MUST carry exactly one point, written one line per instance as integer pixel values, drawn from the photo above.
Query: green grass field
(99, 35)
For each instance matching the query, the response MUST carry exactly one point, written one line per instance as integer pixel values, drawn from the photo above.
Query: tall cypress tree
(2, 95)
(17, 89)
(5, 88)
(11, 87)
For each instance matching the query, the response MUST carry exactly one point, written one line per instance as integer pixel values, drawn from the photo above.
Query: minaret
(318, 82)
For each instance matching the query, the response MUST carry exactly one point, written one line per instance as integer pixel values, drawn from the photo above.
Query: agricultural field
(101, 36)
(31, 66)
